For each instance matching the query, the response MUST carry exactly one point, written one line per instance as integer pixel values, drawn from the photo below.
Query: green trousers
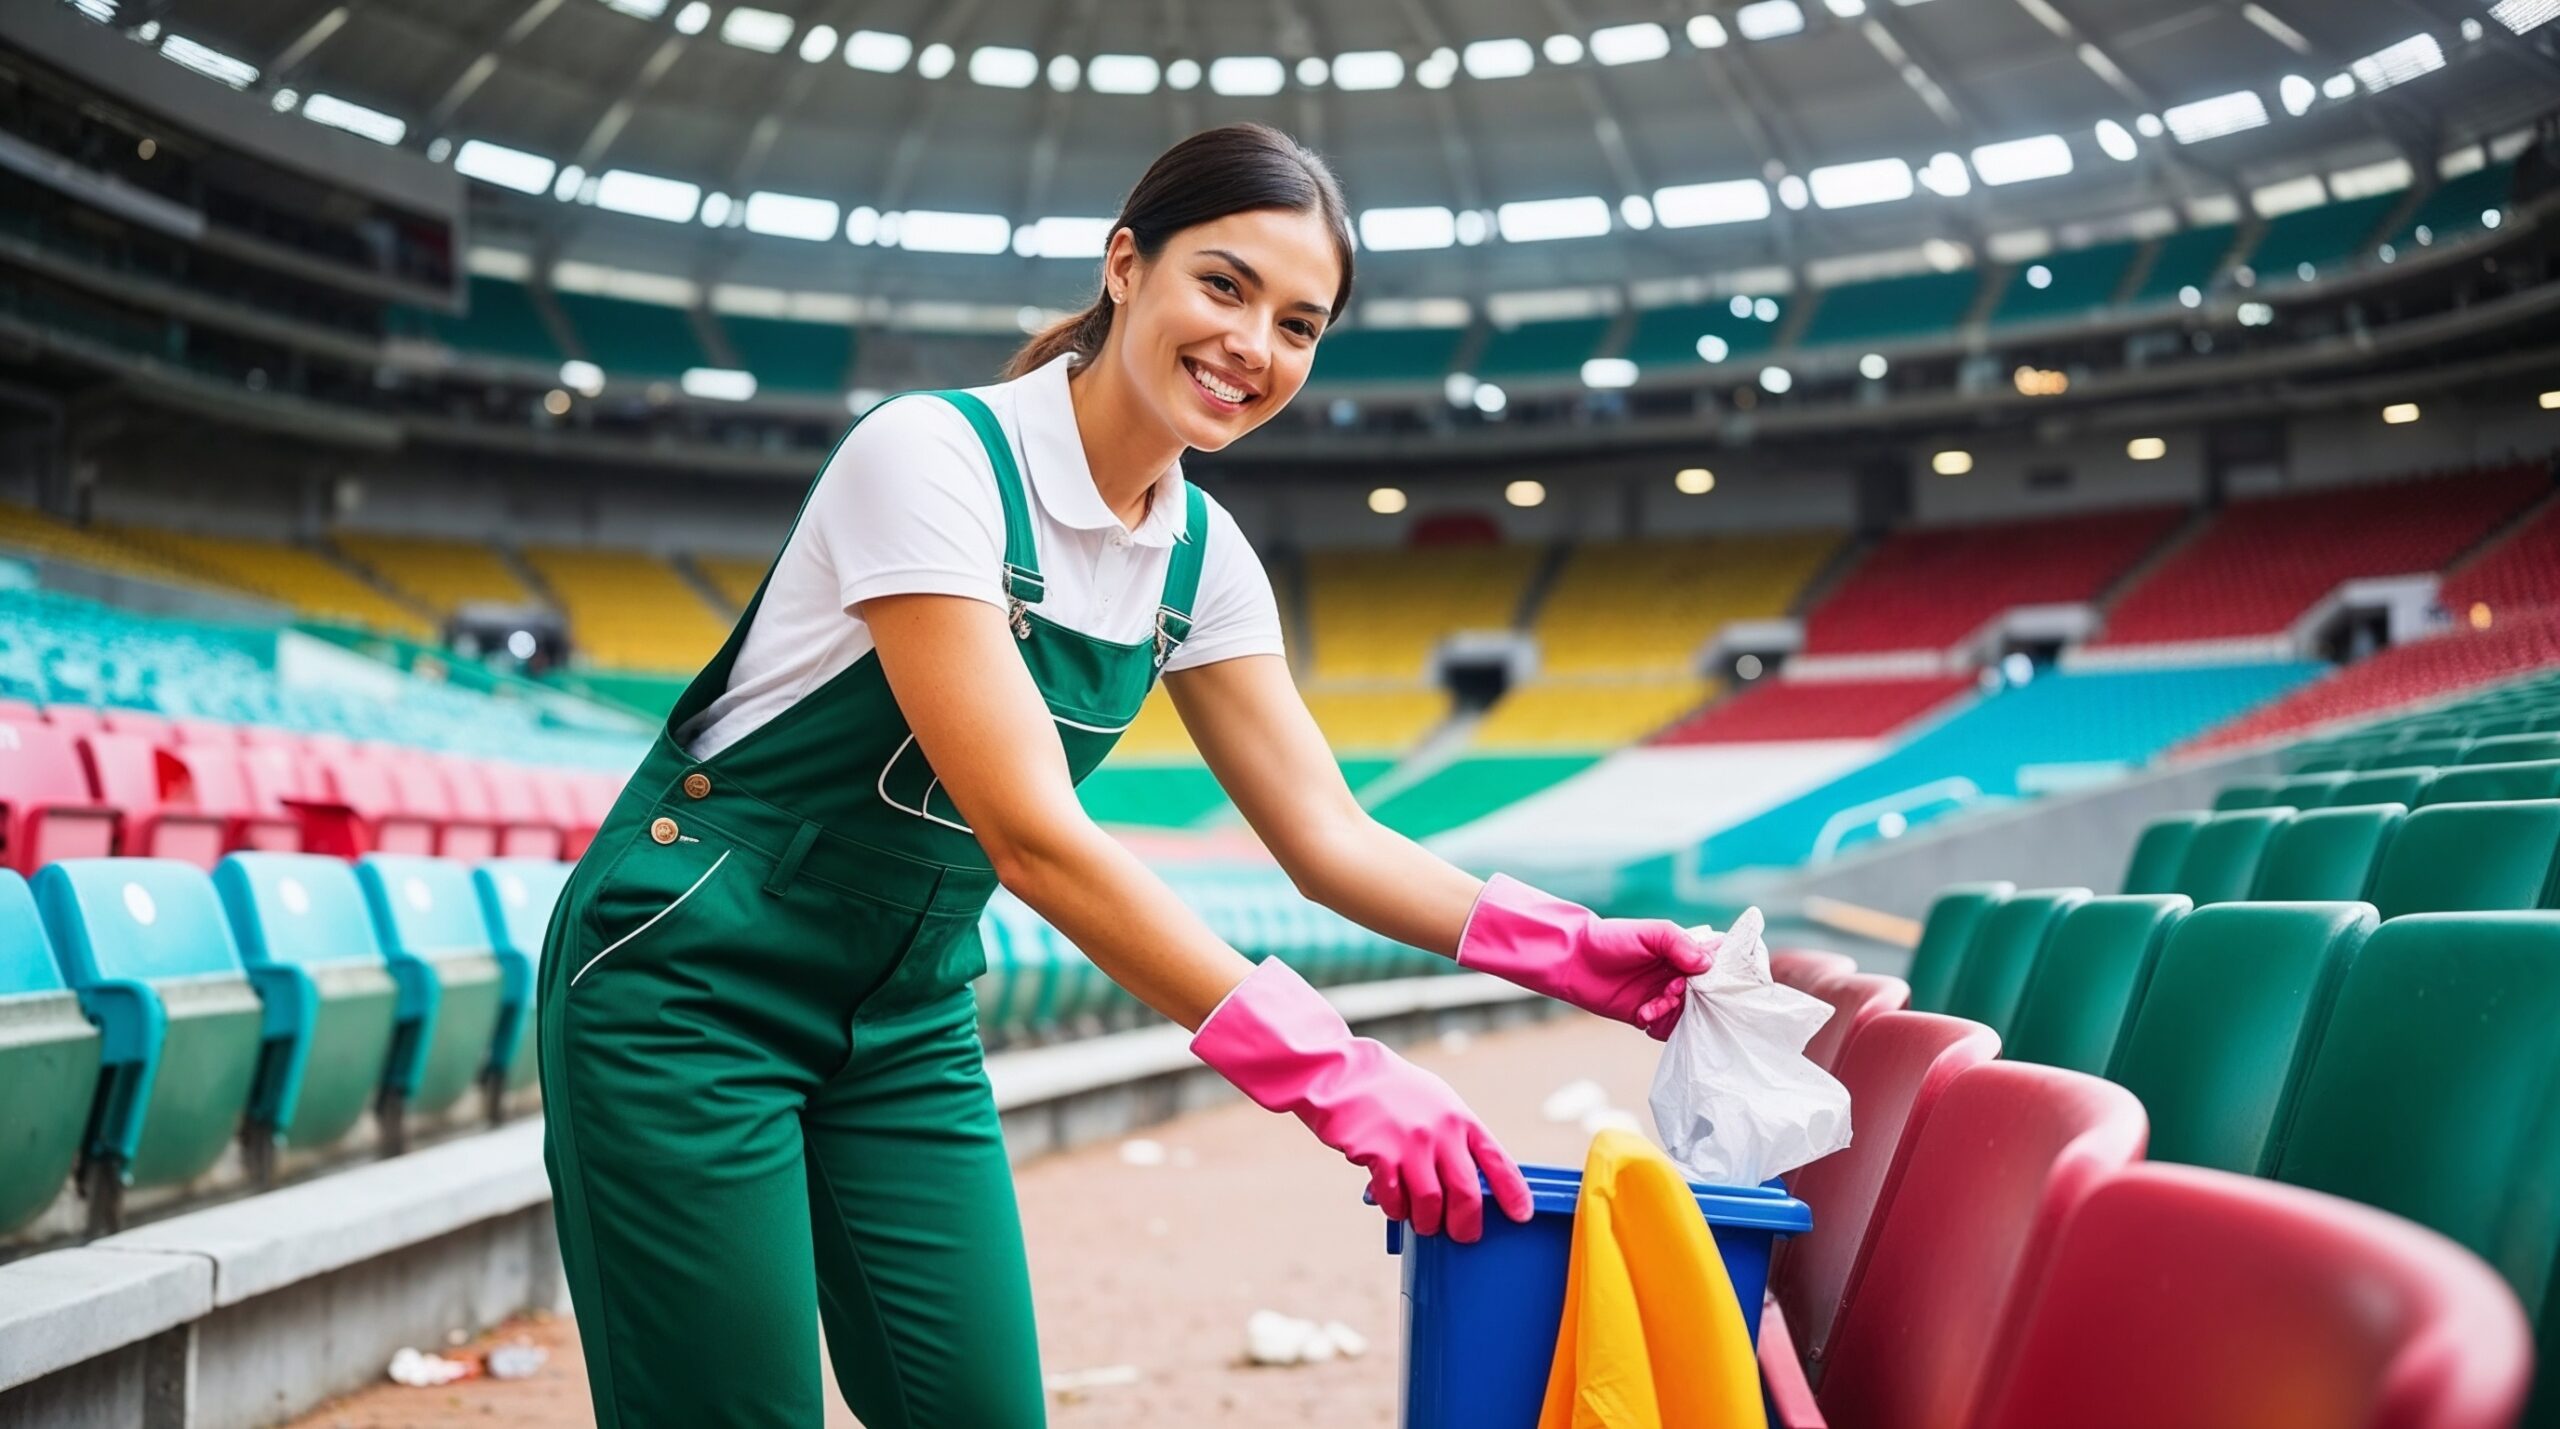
(767, 1107)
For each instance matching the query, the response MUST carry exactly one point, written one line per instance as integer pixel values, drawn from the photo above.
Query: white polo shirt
(908, 505)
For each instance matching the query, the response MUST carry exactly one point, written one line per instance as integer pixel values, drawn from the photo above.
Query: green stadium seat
(2218, 1047)
(2436, 1096)
(1541, 349)
(2247, 794)
(516, 898)
(451, 984)
(2329, 237)
(501, 320)
(2512, 749)
(629, 339)
(1668, 337)
(2310, 791)
(144, 943)
(2221, 865)
(1027, 971)
(2478, 783)
(2190, 258)
(2079, 282)
(1918, 305)
(788, 356)
(2004, 955)
(1381, 355)
(1938, 960)
(2383, 786)
(2417, 753)
(2090, 979)
(2323, 763)
(2455, 207)
(313, 955)
(2327, 855)
(2160, 851)
(2469, 858)
(49, 1056)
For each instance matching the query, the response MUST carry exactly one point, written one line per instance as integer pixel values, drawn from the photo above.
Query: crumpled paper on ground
(1735, 1098)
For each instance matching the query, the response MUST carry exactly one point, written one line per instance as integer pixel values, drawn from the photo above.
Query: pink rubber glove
(1633, 969)
(1283, 1045)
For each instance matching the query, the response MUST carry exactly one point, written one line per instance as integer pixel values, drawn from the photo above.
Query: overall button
(697, 785)
(663, 830)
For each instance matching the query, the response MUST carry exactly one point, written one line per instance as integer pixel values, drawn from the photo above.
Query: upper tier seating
(2456, 206)
(2266, 560)
(629, 339)
(1668, 337)
(2520, 571)
(1619, 607)
(2079, 282)
(735, 577)
(1541, 349)
(1783, 709)
(1376, 721)
(107, 550)
(2323, 239)
(1358, 354)
(298, 576)
(1921, 304)
(789, 356)
(630, 609)
(442, 574)
(1377, 614)
(2401, 675)
(1596, 715)
(501, 320)
(2188, 258)
(1928, 588)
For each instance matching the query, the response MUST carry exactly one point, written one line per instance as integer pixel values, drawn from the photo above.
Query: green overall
(767, 1103)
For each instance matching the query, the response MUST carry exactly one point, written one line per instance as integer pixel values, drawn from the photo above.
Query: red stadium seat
(205, 731)
(20, 712)
(211, 779)
(472, 832)
(359, 810)
(1856, 1000)
(127, 775)
(75, 720)
(1896, 1068)
(558, 795)
(1807, 969)
(2195, 1298)
(151, 729)
(525, 828)
(1785, 709)
(1928, 588)
(47, 810)
(2006, 1157)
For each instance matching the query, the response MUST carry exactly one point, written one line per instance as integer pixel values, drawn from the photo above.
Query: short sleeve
(908, 506)
(1235, 614)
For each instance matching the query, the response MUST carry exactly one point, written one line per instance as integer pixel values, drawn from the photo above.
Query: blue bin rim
(1557, 1190)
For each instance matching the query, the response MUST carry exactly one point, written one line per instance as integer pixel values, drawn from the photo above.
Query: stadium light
(1712, 348)
(1608, 373)
(1776, 381)
(1313, 71)
(1561, 50)
(1003, 67)
(1946, 176)
(2039, 277)
(719, 384)
(1696, 205)
(1368, 69)
(584, 378)
(924, 230)
(1858, 184)
(205, 60)
(1636, 212)
(2146, 448)
(2040, 382)
(1437, 68)
(715, 210)
(1491, 400)
(647, 195)
(2400, 414)
(1065, 237)
(2551, 400)
(1951, 463)
(791, 216)
(1123, 74)
(1630, 44)
(2015, 161)
(935, 60)
(354, 118)
(2191, 296)
(507, 168)
(1248, 76)
(818, 42)
(1765, 309)
(2523, 16)
(1386, 501)
(1873, 367)
(1064, 72)
(2204, 119)
(1525, 493)
(763, 31)
(1846, 9)
(2116, 142)
(2298, 94)
(1459, 388)
(1707, 32)
(556, 402)
(1793, 193)
(1499, 59)
(693, 19)
(1536, 220)
(2338, 86)
(2398, 64)
(1694, 481)
(2481, 616)
(879, 51)
(1394, 230)
(1769, 19)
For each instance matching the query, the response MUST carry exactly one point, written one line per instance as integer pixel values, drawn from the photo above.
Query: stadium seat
(2161, 849)
(2512, 748)
(49, 1056)
(517, 896)
(2007, 1156)
(1954, 919)
(452, 987)
(1808, 969)
(363, 810)
(1383, 355)
(1855, 1001)
(2245, 794)
(2004, 955)
(209, 779)
(47, 809)
(1553, 348)
(75, 720)
(2383, 786)
(2222, 859)
(145, 944)
(2309, 791)
(1896, 1068)
(126, 774)
(2490, 783)
(2435, 1095)
(312, 953)
(2327, 855)
(2470, 858)
(467, 825)
(2188, 258)
(2235, 1007)
(2417, 753)
(526, 830)
(2091, 978)
(2193, 1298)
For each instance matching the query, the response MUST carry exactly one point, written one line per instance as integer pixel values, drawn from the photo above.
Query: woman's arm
(1253, 727)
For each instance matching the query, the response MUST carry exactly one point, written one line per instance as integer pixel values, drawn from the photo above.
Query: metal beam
(492, 48)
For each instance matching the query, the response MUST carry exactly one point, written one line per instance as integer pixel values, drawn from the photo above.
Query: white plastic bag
(1735, 1098)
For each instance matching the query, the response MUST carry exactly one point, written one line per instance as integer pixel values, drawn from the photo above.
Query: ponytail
(1081, 334)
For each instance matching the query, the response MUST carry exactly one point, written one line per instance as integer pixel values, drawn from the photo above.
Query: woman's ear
(1120, 263)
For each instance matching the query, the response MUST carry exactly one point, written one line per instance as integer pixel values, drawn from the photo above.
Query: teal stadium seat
(2454, 209)
(2470, 858)
(1036, 980)
(2384, 786)
(516, 898)
(2189, 258)
(145, 944)
(789, 356)
(2090, 979)
(2080, 282)
(49, 1055)
(1954, 920)
(2435, 1095)
(2417, 754)
(2512, 749)
(2219, 1045)
(1669, 337)
(451, 983)
(501, 321)
(1387, 355)
(2246, 794)
(2221, 865)
(2329, 237)
(2162, 849)
(2479, 783)
(1541, 349)
(2327, 855)
(1915, 306)
(2005, 953)
(629, 339)
(313, 955)
(2309, 791)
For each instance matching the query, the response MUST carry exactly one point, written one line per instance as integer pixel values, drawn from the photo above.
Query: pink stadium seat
(1896, 1069)
(526, 829)
(47, 810)
(1856, 1000)
(261, 736)
(127, 775)
(359, 810)
(556, 793)
(2181, 1296)
(151, 729)
(205, 731)
(75, 720)
(212, 779)
(20, 712)
(470, 830)
(1806, 969)
(2009, 1153)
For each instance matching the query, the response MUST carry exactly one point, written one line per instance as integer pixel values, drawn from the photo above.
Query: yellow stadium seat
(1588, 714)
(305, 579)
(630, 610)
(1377, 614)
(735, 577)
(34, 531)
(443, 574)
(1376, 721)
(1157, 732)
(1625, 607)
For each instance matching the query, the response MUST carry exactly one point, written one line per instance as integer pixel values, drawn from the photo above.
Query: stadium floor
(1159, 1267)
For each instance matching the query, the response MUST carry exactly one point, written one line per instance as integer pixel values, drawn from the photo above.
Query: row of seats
(307, 581)
(1784, 709)
(1929, 588)
(1619, 608)
(629, 608)
(2463, 657)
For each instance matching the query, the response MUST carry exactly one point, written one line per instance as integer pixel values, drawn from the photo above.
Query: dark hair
(1234, 168)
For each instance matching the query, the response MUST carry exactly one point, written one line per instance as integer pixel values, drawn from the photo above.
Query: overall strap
(1022, 583)
(1182, 575)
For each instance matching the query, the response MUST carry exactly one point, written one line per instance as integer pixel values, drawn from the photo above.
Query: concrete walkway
(1156, 1268)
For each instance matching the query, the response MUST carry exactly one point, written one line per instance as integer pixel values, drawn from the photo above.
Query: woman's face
(1217, 331)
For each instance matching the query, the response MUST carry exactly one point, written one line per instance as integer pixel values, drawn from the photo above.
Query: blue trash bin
(1480, 1320)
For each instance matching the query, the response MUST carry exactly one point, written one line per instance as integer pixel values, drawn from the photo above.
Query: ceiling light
(1636, 212)
(2400, 414)
(1122, 74)
(817, 42)
(1247, 75)
(2191, 296)
(1525, 493)
(584, 378)
(2015, 161)
(2040, 382)
(862, 225)
(1740, 306)
(2298, 94)
(1951, 463)
(2551, 401)
(1459, 388)
(1313, 71)
(1368, 69)
(354, 118)
(2149, 126)
(1765, 309)
(1064, 72)
(556, 402)
(1490, 399)
(1067, 237)
(791, 216)
(2146, 448)
(1630, 44)
(2398, 64)
(878, 51)
(1707, 32)
(1712, 348)
(1537, 219)
(1386, 501)
(1873, 367)
(505, 167)
(1561, 50)
(1437, 68)
(1695, 481)
(1499, 59)
(567, 185)
(1854, 185)
(2521, 16)
(2255, 314)
(207, 61)
(1393, 230)
(2118, 144)
(1003, 67)
(935, 60)
(1846, 9)
(1608, 373)
(763, 31)
(1793, 193)
(693, 19)
(923, 230)
(647, 195)
(1473, 226)
(1726, 201)
(2039, 277)
(1946, 176)
(1183, 74)
(1768, 19)
(1776, 380)
(715, 210)
(2212, 118)
(719, 384)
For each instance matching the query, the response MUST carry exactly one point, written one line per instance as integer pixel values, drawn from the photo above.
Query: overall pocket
(642, 897)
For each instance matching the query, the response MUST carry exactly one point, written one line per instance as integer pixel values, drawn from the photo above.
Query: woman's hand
(1283, 1045)
(1635, 970)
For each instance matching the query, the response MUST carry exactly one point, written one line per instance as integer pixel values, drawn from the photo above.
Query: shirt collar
(1053, 455)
